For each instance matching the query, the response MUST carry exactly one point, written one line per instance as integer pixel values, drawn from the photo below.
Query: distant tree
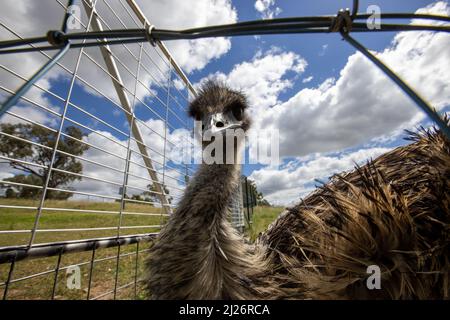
(16, 149)
(264, 203)
(255, 198)
(11, 193)
(136, 197)
(152, 195)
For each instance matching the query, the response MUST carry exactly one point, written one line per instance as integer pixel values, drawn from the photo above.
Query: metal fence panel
(121, 106)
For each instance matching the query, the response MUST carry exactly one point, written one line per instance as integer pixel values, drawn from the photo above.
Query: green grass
(23, 219)
(104, 272)
(262, 217)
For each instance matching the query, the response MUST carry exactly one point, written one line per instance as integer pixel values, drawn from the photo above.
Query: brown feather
(393, 212)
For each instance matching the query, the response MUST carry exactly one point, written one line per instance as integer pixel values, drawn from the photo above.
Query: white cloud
(193, 54)
(363, 103)
(30, 18)
(287, 184)
(323, 50)
(307, 79)
(264, 77)
(179, 84)
(267, 8)
(5, 170)
(23, 18)
(173, 177)
(360, 106)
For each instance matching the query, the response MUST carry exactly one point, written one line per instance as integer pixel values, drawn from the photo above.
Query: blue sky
(325, 54)
(309, 46)
(333, 108)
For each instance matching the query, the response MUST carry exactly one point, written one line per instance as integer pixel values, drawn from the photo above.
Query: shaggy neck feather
(198, 254)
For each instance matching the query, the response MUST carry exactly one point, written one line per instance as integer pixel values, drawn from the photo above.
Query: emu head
(221, 112)
(220, 108)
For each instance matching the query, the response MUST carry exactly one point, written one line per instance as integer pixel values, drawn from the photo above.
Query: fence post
(247, 199)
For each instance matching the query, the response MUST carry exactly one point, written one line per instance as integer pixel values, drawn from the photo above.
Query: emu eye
(237, 112)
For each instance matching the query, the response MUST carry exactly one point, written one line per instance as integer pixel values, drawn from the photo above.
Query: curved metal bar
(423, 105)
(12, 100)
(355, 9)
(318, 24)
(41, 72)
(11, 254)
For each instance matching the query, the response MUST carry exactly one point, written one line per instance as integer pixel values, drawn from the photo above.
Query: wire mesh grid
(92, 155)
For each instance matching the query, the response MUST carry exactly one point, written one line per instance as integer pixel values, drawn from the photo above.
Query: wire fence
(87, 174)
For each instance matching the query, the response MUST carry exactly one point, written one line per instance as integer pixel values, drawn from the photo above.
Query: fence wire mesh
(87, 171)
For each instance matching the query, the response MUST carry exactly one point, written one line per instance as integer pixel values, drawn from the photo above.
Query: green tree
(152, 194)
(19, 149)
(255, 198)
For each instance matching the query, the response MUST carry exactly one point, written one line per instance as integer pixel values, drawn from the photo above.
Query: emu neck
(198, 255)
(210, 193)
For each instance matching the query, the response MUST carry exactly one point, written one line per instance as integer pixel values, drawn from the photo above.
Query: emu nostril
(219, 124)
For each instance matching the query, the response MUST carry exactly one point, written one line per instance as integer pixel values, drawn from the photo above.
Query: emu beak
(220, 122)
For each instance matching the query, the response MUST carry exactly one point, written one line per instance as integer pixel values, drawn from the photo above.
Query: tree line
(23, 145)
(251, 196)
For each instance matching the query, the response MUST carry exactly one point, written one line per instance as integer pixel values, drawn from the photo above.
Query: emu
(392, 212)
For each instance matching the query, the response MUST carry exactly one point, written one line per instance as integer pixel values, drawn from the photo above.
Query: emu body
(394, 213)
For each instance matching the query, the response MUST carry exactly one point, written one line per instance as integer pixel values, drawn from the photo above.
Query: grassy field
(104, 272)
(262, 217)
(22, 219)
